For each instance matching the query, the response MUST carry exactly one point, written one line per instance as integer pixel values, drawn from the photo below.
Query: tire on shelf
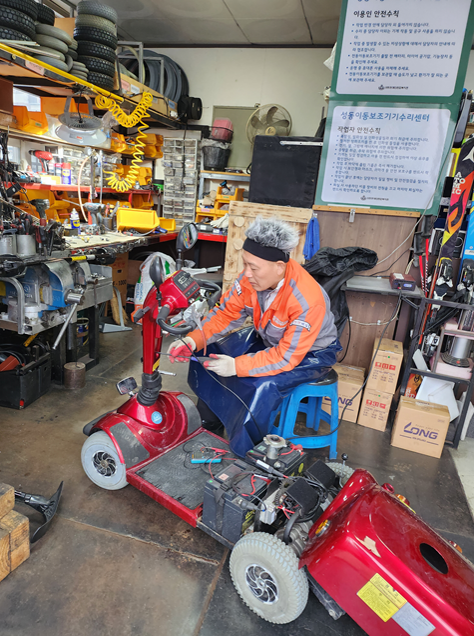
(29, 7)
(97, 65)
(266, 575)
(54, 32)
(92, 34)
(69, 62)
(62, 66)
(44, 49)
(13, 19)
(46, 15)
(95, 8)
(101, 80)
(73, 45)
(94, 49)
(72, 54)
(52, 43)
(96, 22)
(101, 462)
(11, 34)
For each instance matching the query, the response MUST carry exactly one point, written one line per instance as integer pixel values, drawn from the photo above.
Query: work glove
(222, 365)
(181, 350)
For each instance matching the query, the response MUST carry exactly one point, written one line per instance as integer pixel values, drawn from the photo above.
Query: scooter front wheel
(101, 462)
(265, 573)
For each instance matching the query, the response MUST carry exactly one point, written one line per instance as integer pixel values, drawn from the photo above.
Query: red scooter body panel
(371, 532)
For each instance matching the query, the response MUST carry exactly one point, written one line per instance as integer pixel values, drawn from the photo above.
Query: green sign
(397, 83)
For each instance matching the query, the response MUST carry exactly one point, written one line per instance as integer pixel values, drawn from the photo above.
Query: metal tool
(74, 297)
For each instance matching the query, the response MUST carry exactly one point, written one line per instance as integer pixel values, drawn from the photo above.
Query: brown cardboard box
(375, 409)
(387, 364)
(420, 426)
(119, 275)
(350, 379)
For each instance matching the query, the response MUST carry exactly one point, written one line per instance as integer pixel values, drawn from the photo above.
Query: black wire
(389, 268)
(348, 342)
(368, 373)
(214, 377)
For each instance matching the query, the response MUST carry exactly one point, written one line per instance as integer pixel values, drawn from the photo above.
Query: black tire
(96, 65)
(104, 81)
(93, 49)
(13, 19)
(25, 6)
(72, 54)
(11, 34)
(96, 22)
(95, 8)
(91, 34)
(46, 15)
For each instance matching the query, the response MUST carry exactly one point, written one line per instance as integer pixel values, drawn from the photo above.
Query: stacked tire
(96, 35)
(56, 46)
(17, 19)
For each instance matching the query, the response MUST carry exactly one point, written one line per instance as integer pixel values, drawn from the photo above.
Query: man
(294, 338)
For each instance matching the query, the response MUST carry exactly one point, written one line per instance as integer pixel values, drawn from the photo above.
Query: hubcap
(261, 584)
(104, 464)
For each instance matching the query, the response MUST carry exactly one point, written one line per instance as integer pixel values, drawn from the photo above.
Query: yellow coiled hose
(128, 121)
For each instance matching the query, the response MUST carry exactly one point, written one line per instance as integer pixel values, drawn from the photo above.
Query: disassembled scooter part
(47, 507)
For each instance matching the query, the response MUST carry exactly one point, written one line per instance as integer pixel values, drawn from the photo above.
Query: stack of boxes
(381, 384)
(181, 168)
(14, 533)
(350, 380)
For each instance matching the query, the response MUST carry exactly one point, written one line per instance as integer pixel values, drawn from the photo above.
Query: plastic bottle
(57, 169)
(75, 219)
(66, 174)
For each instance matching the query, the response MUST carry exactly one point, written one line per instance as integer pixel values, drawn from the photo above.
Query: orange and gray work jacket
(298, 320)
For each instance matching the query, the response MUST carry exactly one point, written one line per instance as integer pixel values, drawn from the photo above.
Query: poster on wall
(402, 47)
(382, 156)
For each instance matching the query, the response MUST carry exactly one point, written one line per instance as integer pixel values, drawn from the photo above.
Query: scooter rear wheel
(342, 471)
(101, 462)
(265, 573)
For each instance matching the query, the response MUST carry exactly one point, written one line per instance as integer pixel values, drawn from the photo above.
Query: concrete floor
(117, 563)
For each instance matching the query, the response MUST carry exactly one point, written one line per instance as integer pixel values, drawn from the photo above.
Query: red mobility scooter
(292, 527)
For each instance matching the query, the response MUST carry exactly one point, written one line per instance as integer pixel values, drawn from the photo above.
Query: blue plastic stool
(291, 406)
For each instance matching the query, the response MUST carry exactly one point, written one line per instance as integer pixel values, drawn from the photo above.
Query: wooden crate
(14, 533)
(241, 215)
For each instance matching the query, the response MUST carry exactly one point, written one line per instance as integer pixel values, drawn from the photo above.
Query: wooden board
(4, 554)
(7, 499)
(382, 233)
(16, 528)
(241, 215)
(366, 308)
(376, 211)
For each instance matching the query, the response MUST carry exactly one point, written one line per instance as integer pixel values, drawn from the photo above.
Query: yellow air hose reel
(128, 121)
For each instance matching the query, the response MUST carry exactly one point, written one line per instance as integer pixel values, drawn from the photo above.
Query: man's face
(263, 274)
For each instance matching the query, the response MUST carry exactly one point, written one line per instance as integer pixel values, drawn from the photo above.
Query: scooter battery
(223, 497)
(289, 462)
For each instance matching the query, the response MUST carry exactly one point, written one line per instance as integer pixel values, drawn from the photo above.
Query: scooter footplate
(174, 475)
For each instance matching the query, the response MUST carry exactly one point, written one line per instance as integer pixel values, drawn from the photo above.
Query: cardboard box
(420, 427)
(387, 364)
(375, 409)
(119, 275)
(350, 379)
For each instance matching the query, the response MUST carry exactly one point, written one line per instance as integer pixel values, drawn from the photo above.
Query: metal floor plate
(173, 474)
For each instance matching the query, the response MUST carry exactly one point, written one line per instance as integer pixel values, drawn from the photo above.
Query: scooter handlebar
(207, 284)
(175, 331)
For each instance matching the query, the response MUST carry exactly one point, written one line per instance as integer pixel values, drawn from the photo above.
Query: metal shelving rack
(420, 312)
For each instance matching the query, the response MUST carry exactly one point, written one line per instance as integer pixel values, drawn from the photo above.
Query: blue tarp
(263, 396)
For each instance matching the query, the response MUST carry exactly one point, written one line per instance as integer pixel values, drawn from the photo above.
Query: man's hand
(222, 365)
(181, 350)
